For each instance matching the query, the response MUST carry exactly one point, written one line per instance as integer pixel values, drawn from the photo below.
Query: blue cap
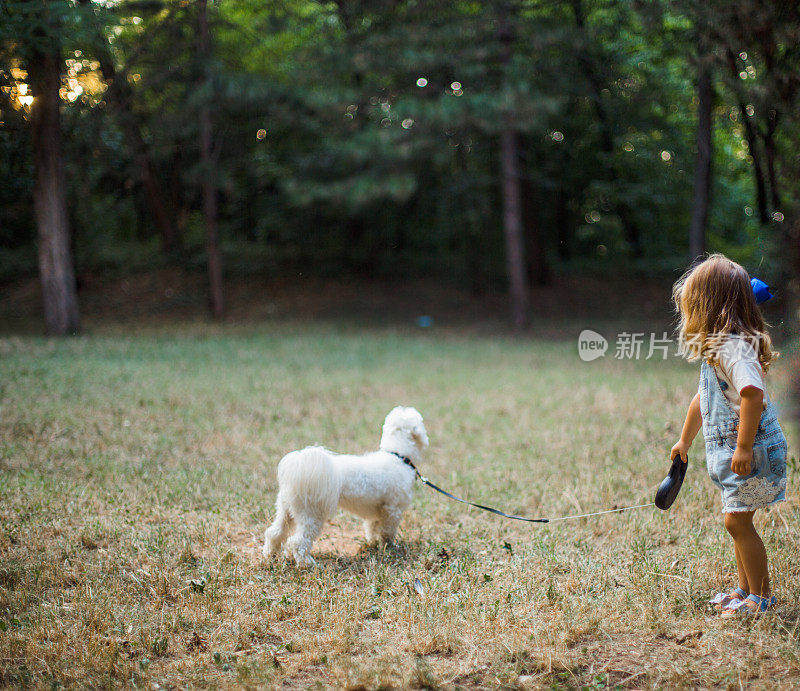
(760, 290)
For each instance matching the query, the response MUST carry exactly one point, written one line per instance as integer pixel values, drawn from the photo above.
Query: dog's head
(404, 433)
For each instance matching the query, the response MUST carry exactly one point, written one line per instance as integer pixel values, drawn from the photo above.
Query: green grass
(138, 474)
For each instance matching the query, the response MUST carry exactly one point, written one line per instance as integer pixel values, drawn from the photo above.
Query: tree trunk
(512, 224)
(630, 229)
(758, 170)
(510, 183)
(56, 269)
(562, 225)
(208, 165)
(537, 268)
(792, 235)
(769, 154)
(120, 96)
(770, 49)
(702, 171)
(752, 145)
(170, 239)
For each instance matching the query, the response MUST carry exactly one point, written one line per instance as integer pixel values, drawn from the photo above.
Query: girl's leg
(721, 601)
(743, 583)
(750, 550)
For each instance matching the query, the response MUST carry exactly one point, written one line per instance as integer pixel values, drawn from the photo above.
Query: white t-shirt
(739, 367)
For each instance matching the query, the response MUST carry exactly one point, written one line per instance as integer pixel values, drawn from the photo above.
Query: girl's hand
(681, 448)
(742, 460)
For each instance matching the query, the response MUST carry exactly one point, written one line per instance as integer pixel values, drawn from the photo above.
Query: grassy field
(138, 475)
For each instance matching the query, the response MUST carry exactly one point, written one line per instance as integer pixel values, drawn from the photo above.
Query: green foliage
(363, 135)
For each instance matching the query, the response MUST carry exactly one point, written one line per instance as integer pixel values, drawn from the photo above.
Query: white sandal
(740, 607)
(721, 601)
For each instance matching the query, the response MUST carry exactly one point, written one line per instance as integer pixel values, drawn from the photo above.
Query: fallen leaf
(680, 640)
(197, 585)
(88, 543)
(196, 642)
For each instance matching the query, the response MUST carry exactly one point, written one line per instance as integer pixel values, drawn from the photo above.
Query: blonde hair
(714, 299)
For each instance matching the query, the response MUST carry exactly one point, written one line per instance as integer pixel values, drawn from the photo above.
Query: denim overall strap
(720, 421)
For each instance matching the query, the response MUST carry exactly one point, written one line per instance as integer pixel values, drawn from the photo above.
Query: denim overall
(766, 483)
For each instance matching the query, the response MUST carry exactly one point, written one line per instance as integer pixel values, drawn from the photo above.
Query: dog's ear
(419, 435)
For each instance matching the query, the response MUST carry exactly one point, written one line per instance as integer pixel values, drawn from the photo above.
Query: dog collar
(405, 459)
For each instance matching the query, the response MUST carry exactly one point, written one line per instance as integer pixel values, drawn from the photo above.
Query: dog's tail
(309, 482)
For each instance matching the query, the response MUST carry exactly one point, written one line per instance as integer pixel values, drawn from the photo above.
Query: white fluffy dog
(376, 486)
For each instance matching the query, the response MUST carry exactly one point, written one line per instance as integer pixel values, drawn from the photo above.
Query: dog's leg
(384, 528)
(299, 544)
(275, 535)
(372, 530)
(390, 524)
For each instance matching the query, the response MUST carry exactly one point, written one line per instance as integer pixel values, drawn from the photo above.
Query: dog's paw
(306, 561)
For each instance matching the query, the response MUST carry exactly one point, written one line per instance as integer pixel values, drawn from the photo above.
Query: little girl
(721, 324)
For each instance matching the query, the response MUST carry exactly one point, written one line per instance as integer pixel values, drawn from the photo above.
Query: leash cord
(598, 513)
(480, 506)
(427, 482)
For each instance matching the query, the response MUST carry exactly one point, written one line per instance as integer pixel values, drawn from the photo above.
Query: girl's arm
(749, 416)
(691, 427)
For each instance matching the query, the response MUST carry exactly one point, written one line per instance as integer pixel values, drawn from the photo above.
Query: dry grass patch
(138, 477)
